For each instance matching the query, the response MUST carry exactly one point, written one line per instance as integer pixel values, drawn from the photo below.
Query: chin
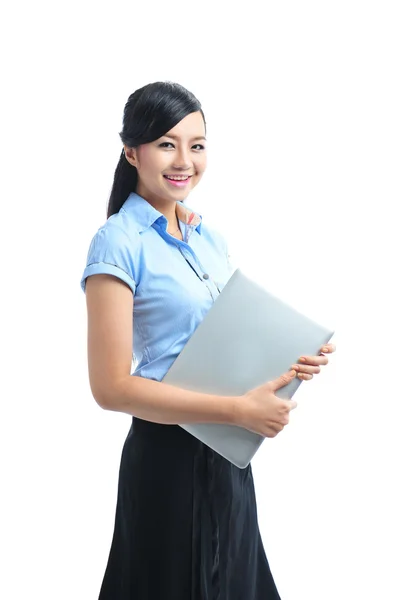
(180, 195)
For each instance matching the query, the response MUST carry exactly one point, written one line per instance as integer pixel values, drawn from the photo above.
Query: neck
(169, 211)
(166, 207)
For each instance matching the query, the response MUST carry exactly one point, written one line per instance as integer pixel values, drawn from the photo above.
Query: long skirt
(186, 524)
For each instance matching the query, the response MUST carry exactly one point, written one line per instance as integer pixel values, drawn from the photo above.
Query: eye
(198, 147)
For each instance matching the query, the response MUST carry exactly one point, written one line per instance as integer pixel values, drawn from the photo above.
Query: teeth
(178, 177)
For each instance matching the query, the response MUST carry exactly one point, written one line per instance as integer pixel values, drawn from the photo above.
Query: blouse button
(205, 276)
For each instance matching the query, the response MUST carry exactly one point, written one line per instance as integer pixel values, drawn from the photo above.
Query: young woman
(186, 520)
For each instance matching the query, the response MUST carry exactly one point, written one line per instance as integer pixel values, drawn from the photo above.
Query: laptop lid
(247, 338)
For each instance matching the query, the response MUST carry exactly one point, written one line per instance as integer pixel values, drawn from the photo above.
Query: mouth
(178, 180)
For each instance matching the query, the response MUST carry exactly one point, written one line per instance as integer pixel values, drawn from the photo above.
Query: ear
(131, 155)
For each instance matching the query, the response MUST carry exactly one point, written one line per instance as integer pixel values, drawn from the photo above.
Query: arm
(110, 326)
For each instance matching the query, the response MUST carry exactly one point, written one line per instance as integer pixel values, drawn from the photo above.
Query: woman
(186, 522)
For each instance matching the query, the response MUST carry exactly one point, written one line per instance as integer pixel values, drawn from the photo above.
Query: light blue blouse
(174, 282)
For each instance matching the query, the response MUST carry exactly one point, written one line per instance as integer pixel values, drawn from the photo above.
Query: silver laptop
(247, 338)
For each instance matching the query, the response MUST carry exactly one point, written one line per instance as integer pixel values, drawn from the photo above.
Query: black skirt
(186, 524)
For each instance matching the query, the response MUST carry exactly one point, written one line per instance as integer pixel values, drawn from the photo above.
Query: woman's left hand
(310, 365)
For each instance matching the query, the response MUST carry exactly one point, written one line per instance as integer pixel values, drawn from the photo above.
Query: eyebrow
(176, 137)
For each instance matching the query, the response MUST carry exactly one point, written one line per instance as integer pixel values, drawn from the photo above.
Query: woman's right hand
(262, 412)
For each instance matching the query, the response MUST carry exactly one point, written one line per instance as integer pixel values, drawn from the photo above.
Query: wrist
(237, 410)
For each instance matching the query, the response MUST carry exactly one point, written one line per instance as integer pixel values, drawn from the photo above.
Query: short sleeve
(113, 252)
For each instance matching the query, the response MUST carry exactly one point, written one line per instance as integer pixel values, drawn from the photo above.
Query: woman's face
(181, 153)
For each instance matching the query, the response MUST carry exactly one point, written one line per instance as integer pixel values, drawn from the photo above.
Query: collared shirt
(174, 282)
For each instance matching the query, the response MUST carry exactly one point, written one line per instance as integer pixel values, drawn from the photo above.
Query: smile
(178, 180)
(178, 177)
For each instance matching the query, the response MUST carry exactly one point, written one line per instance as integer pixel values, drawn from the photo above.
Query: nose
(182, 160)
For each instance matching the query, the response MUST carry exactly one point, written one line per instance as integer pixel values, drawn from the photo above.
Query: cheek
(143, 156)
(201, 164)
(155, 160)
(148, 157)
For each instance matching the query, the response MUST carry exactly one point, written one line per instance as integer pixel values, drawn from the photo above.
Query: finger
(283, 380)
(316, 361)
(328, 348)
(305, 376)
(271, 433)
(286, 407)
(277, 425)
(306, 369)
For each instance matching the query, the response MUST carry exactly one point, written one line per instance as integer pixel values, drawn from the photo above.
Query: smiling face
(170, 167)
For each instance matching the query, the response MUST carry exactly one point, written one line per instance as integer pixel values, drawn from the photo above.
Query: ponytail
(125, 182)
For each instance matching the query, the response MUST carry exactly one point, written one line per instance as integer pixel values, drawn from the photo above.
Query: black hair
(150, 113)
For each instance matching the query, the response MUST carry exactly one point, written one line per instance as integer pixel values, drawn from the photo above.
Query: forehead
(191, 126)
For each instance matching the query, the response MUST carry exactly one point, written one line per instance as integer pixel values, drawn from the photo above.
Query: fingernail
(302, 359)
(292, 373)
(325, 350)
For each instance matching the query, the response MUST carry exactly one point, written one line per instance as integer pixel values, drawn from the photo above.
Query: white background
(301, 100)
